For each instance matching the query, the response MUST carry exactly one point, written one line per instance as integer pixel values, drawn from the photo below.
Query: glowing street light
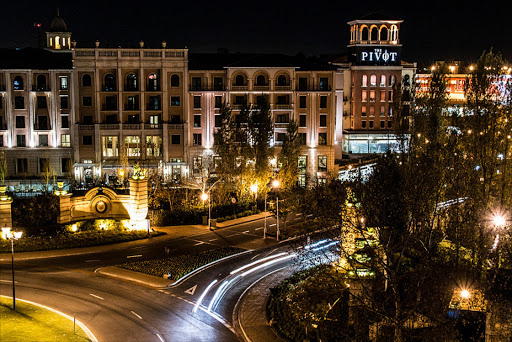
(275, 184)
(13, 236)
(465, 294)
(498, 220)
(204, 197)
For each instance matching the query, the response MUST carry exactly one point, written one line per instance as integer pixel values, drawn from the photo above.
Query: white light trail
(204, 294)
(256, 262)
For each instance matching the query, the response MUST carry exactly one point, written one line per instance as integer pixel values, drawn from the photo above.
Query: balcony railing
(261, 87)
(239, 87)
(109, 126)
(36, 88)
(205, 88)
(175, 126)
(82, 127)
(317, 88)
(131, 126)
(152, 126)
(108, 107)
(42, 127)
(285, 87)
(283, 106)
(281, 124)
(153, 107)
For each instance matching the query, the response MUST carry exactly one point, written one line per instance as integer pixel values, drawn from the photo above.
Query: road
(121, 311)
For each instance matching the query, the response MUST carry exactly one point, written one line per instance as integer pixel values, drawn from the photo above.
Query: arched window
(394, 33)
(110, 82)
(261, 80)
(153, 82)
(407, 80)
(175, 81)
(131, 82)
(41, 82)
(364, 33)
(392, 80)
(382, 80)
(18, 83)
(239, 80)
(383, 33)
(373, 81)
(374, 33)
(364, 82)
(86, 80)
(282, 81)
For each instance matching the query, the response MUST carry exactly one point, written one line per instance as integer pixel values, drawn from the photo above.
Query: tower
(57, 37)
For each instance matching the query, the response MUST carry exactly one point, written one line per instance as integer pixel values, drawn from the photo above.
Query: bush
(38, 215)
(178, 266)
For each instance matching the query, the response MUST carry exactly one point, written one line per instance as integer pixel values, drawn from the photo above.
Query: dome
(58, 25)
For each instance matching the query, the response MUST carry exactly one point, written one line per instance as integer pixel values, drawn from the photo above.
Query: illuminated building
(366, 78)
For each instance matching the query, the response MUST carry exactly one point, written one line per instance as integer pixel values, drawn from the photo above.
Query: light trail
(204, 294)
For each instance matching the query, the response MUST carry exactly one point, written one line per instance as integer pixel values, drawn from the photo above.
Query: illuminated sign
(376, 55)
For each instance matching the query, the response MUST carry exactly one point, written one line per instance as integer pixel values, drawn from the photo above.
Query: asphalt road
(120, 311)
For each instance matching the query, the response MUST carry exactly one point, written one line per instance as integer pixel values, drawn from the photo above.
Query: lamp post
(254, 190)
(205, 197)
(499, 222)
(275, 185)
(13, 236)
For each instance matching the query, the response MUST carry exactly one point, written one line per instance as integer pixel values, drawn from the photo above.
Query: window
(303, 83)
(322, 138)
(175, 101)
(175, 119)
(302, 120)
(322, 163)
(323, 120)
(111, 119)
(197, 120)
(323, 101)
(324, 83)
(87, 101)
(218, 101)
(20, 140)
(132, 103)
(44, 165)
(64, 121)
(87, 120)
(280, 137)
(65, 140)
(87, 140)
(19, 102)
(42, 122)
(239, 80)
(363, 124)
(382, 96)
(22, 165)
(322, 181)
(382, 123)
(175, 81)
(301, 180)
(64, 104)
(86, 80)
(364, 96)
(363, 111)
(176, 139)
(283, 118)
(131, 82)
(302, 138)
(282, 81)
(43, 140)
(198, 139)
(218, 83)
(382, 80)
(261, 81)
(390, 111)
(20, 121)
(110, 146)
(18, 83)
(196, 83)
(110, 103)
(154, 121)
(370, 123)
(197, 164)
(41, 102)
(302, 163)
(364, 81)
(283, 99)
(390, 124)
(110, 82)
(218, 120)
(240, 100)
(63, 83)
(372, 110)
(153, 145)
(302, 101)
(407, 80)
(392, 80)
(197, 101)
(132, 145)
(390, 96)
(373, 81)
(382, 111)
(66, 165)
(41, 82)
(153, 82)
(154, 103)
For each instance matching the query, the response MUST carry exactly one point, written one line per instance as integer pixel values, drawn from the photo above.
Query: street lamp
(254, 190)
(13, 236)
(275, 185)
(499, 222)
(205, 197)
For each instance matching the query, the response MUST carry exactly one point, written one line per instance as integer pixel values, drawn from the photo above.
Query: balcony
(82, 127)
(109, 126)
(136, 126)
(153, 107)
(152, 126)
(106, 107)
(281, 124)
(283, 106)
(239, 87)
(283, 87)
(214, 88)
(42, 127)
(262, 87)
(175, 126)
(317, 88)
(36, 88)
(131, 107)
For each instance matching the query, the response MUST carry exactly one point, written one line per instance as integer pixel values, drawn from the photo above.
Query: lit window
(364, 82)
(373, 81)
(132, 145)
(65, 140)
(382, 80)
(63, 83)
(153, 146)
(110, 146)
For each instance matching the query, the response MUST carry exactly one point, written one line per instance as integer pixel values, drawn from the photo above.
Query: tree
(289, 156)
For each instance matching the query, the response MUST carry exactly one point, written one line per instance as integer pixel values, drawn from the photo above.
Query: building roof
(58, 24)
(221, 61)
(30, 58)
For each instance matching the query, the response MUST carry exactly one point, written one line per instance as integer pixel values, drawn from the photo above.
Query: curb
(88, 332)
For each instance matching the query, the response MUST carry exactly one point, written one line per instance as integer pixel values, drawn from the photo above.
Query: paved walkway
(250, 315)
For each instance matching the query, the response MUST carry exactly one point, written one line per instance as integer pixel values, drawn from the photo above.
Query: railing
(285, 87)
(39, 127)
(130, 53)
(281, 124)
(126, 107)
(237, 106)
(131, 126)
(175, 126)
(36, 88)
(82, 127)
(239, 87)
(153, 107)
(283, 106)
(105, 126)
(214, 88)
(108, 107)
(152, 126)
(261, 87)
(309, 88)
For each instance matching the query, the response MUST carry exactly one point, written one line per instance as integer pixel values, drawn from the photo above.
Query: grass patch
(178, 266)
(33, 323)
(74, 240)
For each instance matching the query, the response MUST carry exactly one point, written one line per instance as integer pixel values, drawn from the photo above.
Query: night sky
(431, 30)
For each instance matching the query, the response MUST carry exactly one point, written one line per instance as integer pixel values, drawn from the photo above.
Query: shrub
(34, 213)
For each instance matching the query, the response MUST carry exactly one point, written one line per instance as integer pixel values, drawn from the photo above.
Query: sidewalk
(171, 233)
(249, 317)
